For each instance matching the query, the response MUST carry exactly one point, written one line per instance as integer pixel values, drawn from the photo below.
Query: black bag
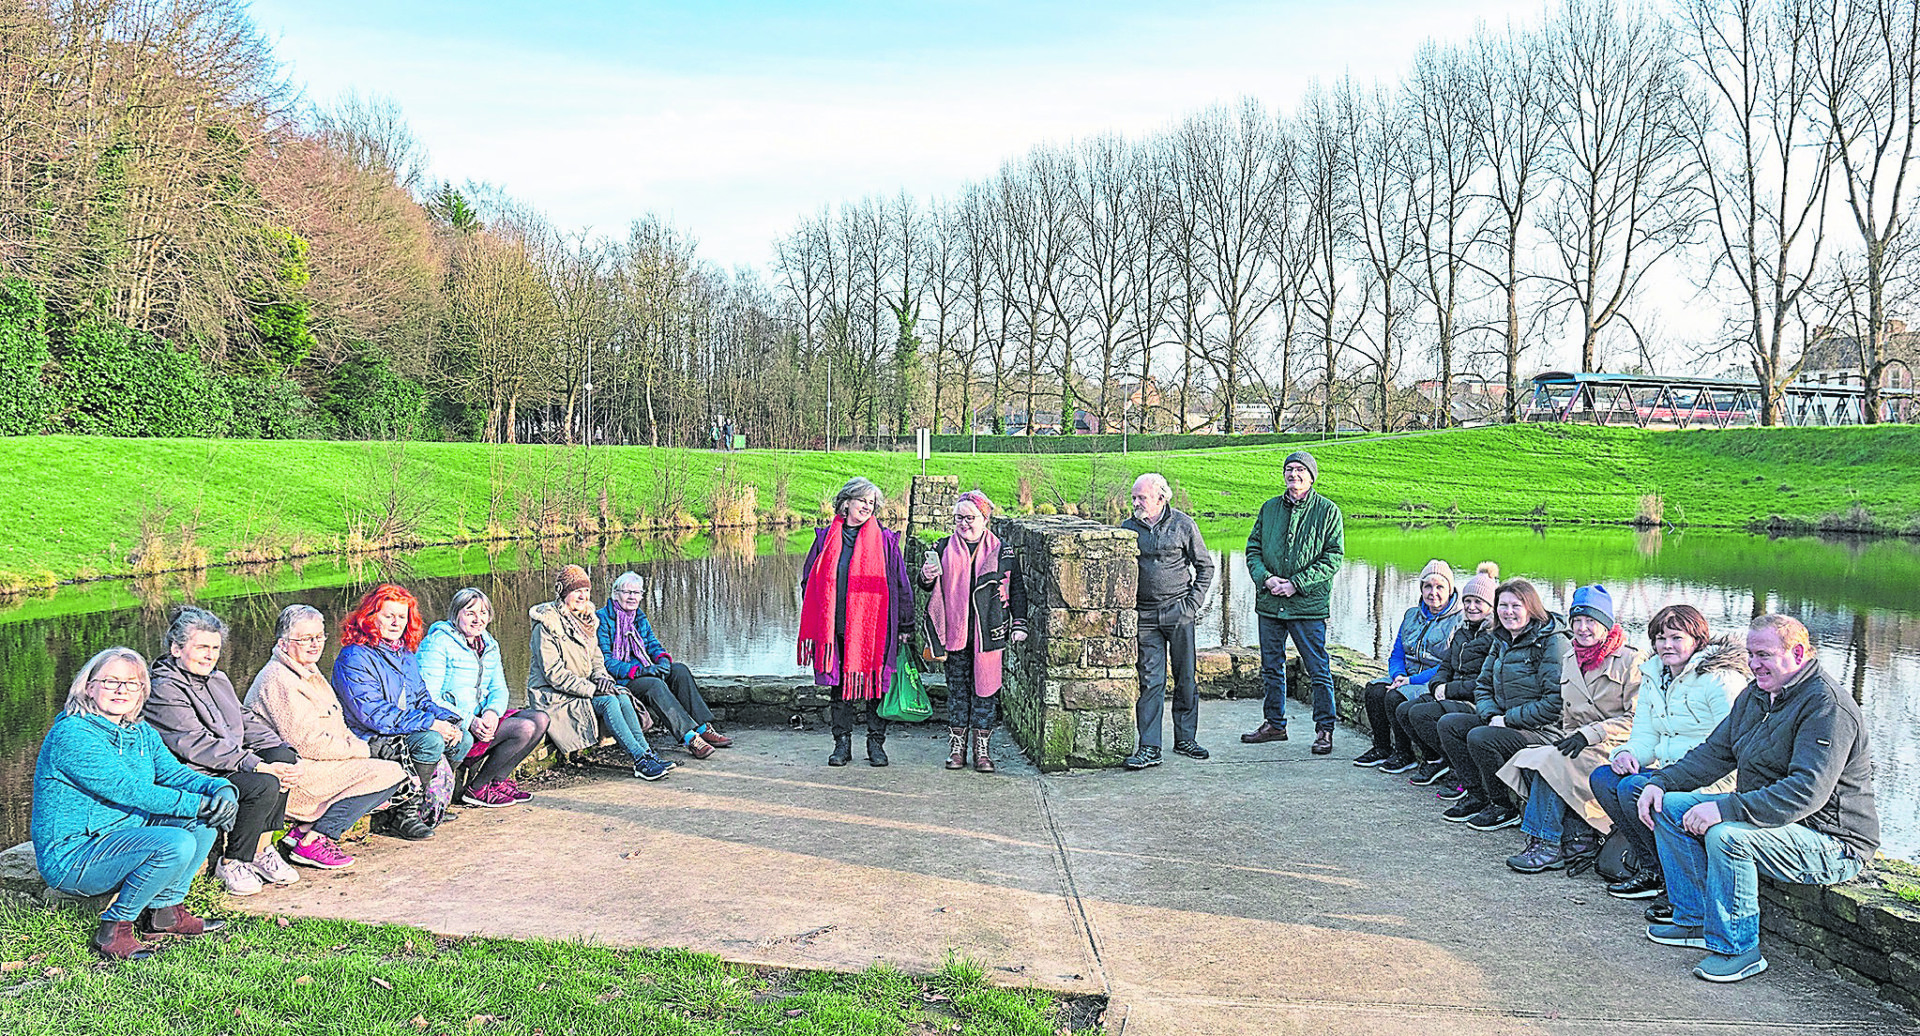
(1613, 862)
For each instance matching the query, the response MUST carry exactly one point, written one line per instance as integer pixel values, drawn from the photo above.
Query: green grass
(337, 977)
(74, 508)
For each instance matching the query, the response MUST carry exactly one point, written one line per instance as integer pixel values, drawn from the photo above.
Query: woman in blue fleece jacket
(113, 810)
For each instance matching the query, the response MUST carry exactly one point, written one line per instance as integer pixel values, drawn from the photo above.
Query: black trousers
(1484, 748)
(1383, 708)
(262, 805)
(842, 717)
(1422, 720)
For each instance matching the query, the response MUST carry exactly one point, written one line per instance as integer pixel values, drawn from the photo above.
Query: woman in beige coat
(1563, 822)
(568, 679)
(341, 782)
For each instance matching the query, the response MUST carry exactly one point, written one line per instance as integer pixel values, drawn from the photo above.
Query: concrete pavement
(1263, 891)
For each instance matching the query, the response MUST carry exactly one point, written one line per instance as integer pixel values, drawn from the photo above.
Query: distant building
(1835, 358)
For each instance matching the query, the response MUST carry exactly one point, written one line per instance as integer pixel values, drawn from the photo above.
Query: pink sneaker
(491, 796)
(514, 790)
(321, 853)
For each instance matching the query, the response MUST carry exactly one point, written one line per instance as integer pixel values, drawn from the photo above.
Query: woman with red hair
(377, 676)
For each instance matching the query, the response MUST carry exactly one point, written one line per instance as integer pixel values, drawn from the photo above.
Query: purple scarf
(627, 646)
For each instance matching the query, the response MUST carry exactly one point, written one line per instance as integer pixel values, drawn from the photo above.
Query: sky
(734, 120)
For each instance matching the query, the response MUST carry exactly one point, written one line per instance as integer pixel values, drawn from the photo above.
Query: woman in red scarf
(978, 604)
(1563, 821)
(856, 612)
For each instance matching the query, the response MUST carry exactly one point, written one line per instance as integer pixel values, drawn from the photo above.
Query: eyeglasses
(116, 685)
(628, 592)
(315, 640)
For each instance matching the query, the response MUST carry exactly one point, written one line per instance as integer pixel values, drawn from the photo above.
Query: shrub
(368, 399)
(274, 408)
(25, 401)
(113, 380)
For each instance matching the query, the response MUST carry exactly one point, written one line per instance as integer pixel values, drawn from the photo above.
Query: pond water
(731, 608)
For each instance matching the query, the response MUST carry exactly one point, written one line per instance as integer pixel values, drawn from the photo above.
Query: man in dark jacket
(1801, 809)
(1297, 545)
(1175, 572)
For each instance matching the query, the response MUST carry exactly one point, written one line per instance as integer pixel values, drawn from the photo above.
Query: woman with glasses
(977, 606)
(343, 782)
(635, 657)
(114, 811)
(460, 662)
(856, 611)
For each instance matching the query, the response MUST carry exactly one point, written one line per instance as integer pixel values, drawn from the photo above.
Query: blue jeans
(1546, 814)
(617, 715)
(1714, 881)
(1310, 639)
(152, 866)
(341, 815)
(1620, 797)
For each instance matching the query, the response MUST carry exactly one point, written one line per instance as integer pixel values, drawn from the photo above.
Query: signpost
(923, 445)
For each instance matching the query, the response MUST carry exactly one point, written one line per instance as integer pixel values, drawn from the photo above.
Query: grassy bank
(74, 508)
(339, 977)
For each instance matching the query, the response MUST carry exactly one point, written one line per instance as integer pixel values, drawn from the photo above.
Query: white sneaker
(238, 876)
(273, 867)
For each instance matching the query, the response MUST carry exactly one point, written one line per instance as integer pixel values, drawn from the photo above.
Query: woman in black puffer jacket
(1516, 704)
(1451, 689)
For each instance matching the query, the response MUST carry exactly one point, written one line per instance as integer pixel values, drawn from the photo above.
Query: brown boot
(982, 760)
(115, 940)
(956, 748)
(175, 920)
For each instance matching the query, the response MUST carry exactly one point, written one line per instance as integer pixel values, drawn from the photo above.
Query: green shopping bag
(906, 701)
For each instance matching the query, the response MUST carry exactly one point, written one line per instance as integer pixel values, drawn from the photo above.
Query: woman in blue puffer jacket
(1417, 653)
(114, 811)
(460, 664)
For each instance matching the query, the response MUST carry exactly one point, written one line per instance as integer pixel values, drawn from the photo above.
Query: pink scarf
(950, 606)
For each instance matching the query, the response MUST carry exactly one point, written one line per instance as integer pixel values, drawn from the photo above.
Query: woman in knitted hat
(1451, 687)
(856, 612)
(1424, 633)
(568, 680)
(1563, 821)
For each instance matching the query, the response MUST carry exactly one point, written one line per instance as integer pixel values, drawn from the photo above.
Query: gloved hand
(1572, 745)
(658, 670)
(220, 808)
(606, 685)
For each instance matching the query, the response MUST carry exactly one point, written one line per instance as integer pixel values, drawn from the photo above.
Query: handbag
(905, 701)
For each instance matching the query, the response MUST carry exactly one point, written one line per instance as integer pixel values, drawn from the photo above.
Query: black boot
(842, 750)
(876, 748)
(403, 821)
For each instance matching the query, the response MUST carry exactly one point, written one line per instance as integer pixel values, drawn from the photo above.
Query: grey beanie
(1305, 460)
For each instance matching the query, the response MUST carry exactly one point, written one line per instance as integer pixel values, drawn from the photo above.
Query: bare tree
(1869, 83)
(1446, 162)
(1622, 196)
(1327, 181)
(1380, 153)
(1510, 94)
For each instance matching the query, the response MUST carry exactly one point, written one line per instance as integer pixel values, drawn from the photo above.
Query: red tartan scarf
(867, 624)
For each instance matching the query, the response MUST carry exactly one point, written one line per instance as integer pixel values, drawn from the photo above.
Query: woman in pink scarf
(978, 605)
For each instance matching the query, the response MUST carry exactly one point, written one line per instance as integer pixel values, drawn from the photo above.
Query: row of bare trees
(1531, 187)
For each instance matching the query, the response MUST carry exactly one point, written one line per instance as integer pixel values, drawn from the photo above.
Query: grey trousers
(1161, 648)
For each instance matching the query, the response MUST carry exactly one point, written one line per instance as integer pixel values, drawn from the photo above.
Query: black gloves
(1573, 744)
(220, 808)
(606, 685)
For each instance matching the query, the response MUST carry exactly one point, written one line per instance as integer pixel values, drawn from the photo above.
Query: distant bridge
(1646, 400)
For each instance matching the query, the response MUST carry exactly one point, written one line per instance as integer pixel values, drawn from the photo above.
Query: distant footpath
(77, 508)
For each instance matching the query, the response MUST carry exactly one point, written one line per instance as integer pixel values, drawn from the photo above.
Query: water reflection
(730, 606)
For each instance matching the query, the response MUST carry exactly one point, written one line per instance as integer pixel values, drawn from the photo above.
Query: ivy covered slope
(88, 506)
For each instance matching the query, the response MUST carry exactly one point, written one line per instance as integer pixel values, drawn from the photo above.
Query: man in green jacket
(1293, 552)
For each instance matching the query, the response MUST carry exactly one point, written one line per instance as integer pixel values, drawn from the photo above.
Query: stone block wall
(1234, 672)
(1070, 689)
(930, 505)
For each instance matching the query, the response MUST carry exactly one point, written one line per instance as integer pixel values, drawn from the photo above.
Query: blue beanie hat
(1595, 603)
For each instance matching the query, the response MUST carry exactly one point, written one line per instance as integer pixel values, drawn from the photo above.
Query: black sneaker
(1464, 810)
(1493, 818)
(1372, 757)
(1452, 792)
(1399, 764)
(1660, 911)
(1192, 750)
(1143, 757)
(1430, 773)
(1644, 885)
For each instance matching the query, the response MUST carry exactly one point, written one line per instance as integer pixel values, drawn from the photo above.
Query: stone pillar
(1070, 689)
(930, 504)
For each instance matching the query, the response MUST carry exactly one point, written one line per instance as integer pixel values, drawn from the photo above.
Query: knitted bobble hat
(1437, 567)
(571, 578)
(1485, 579)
